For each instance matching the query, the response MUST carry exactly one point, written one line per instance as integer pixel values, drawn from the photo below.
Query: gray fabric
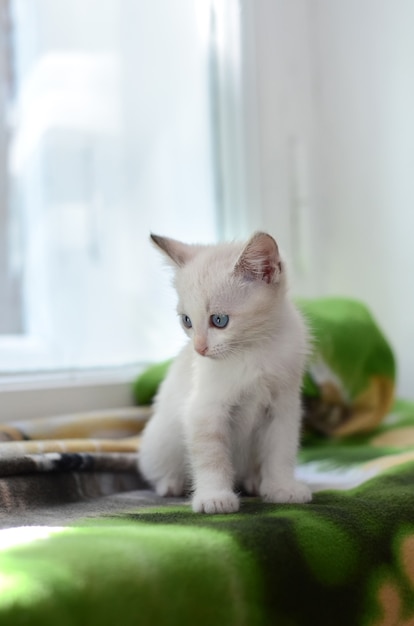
(59, 488)
(62, 514)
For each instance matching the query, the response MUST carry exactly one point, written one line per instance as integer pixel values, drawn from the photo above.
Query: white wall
(363, 67)
(336, 104)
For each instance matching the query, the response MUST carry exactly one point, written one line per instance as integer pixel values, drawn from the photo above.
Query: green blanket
(346, 558)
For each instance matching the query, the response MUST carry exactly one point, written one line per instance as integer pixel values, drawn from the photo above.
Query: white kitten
(228, 413)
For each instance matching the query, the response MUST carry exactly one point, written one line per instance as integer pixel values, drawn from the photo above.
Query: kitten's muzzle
(202, 351)
(201, 347)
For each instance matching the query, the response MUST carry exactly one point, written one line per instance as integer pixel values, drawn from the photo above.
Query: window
(10, 284)
(116, 119)
(105, 136)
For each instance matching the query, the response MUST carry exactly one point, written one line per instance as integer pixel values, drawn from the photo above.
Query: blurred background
(201, 120)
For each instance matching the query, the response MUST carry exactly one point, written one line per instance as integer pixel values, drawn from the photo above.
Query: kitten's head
(228, 294)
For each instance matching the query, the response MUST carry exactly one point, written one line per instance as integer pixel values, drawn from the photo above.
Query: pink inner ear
(268, 271)
(260, 258)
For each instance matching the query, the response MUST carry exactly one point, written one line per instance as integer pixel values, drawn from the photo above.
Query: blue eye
(219, 321)
(186, 321)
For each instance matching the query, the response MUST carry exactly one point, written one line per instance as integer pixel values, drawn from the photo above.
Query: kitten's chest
(242, 394)
(248, 413)
(246, 423)
(241, 384)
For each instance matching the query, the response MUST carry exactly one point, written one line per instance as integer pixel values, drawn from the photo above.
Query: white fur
(230, 418)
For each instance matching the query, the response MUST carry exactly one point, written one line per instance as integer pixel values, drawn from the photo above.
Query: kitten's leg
(209, 446)
(251, 480)
(162, 456)
(278, 450)
(163, 460)
(251, 484)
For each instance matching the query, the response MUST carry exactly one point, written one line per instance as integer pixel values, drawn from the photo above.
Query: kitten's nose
(200, 347)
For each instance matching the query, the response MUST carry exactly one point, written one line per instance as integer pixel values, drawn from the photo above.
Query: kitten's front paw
(291, 491)
(215, 502)
(170, 486)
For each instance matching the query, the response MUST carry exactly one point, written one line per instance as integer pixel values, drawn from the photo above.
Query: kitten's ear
(179, 253)
(260, 259)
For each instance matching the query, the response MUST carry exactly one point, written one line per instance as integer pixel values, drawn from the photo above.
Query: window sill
(49, 394)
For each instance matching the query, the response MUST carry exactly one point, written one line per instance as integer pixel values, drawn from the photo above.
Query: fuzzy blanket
(70, 557)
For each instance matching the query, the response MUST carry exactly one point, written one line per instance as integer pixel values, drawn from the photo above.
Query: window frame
(27, 395)
(56, 393)
(235, 105)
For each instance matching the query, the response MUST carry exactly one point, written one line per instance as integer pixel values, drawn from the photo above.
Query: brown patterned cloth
(69, 458)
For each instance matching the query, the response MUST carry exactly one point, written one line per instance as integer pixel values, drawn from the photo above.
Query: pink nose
(201, 349)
